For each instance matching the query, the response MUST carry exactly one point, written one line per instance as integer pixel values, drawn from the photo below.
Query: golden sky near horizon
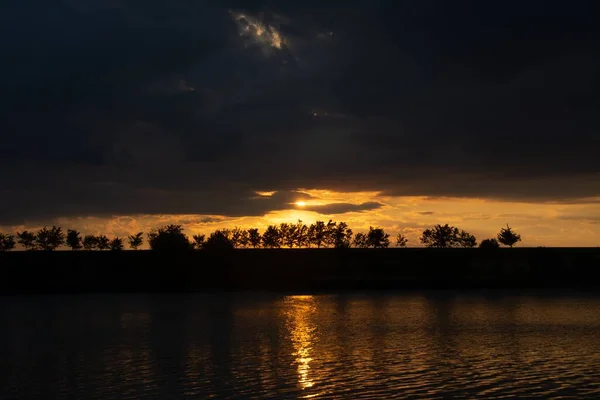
(574, 224)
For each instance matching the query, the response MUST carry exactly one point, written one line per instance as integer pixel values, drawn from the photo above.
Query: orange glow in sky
(570, 224)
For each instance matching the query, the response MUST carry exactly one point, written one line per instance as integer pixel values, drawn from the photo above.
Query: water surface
(329, 346)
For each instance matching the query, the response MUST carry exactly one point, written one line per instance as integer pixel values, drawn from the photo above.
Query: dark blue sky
(117, 107)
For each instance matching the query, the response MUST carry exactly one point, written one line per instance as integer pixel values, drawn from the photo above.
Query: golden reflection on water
(298, 311)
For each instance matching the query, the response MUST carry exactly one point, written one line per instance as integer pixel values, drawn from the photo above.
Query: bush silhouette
(290, 235)
(169, 238)
(90, 242)
(254, 237)
(340, 235)
(103, 242)
(465, 239)
(135, 241)
(199, 241)
(360, 241)
(489, 244)
(377, 238)
(446, 236)
(116, 244)
(49, 239)
(219, 241)
(272, 237)
(302, 238)
(508, 237)
(317, 233)
(401, 240)
(27, 240)
(239, 237)
(7, 242)
(73, 239)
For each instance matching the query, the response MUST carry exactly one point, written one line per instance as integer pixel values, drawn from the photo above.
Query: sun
(301, 203)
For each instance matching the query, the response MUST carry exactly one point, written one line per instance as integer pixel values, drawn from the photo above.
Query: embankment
(299, 270)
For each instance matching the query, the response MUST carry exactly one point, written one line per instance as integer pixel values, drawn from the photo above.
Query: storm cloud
(120, 107)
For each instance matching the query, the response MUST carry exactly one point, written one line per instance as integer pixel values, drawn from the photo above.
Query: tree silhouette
(239, 237)
(90, 242)
(341, 235)
(7, 242)
(272, 237)
(286, 234)
(116, 244)
(244, 239)
(361, 241)
(199, 241)
(441, 236)
(489, 244)
(219, 240)
(377, 238)
(465, 239)
(135, 241)
(317, 233)
(508, 237)
(254, 237)
(302, 238)
(27, 240)
(73, 239)
(49, 239)
(169, 238)
(401, 240)
(103, 242)
(329, 233)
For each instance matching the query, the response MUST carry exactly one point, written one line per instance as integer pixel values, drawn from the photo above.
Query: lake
(243, 346)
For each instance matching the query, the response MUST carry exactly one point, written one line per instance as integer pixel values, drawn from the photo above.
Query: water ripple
(268, 347)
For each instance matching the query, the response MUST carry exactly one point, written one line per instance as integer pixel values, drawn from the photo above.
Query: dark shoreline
(301, 270)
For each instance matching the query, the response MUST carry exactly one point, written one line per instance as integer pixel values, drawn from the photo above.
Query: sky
(123, 115)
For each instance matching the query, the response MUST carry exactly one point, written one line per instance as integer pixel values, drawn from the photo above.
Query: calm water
(346, 346)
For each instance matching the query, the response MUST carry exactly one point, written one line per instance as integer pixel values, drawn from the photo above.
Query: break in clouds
(191, 108)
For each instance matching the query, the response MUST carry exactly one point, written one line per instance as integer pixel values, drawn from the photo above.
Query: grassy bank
(302, 270)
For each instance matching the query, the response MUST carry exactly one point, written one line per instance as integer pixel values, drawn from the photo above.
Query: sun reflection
(302, 333)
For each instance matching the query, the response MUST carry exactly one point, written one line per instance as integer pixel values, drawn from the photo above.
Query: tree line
(291, 235)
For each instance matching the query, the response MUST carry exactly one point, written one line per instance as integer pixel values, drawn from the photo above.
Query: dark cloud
(162, 107)
(426, 213)
(341, 208)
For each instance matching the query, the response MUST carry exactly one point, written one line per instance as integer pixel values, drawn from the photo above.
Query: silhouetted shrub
(199, 241)
(508, 237)
(445, 236)
(377, 238)
(302, 238)
(272, 237)
(239, 237)
(401, 240)
(7, 242)
(489, 244)
(90, 242)
(254, 237)
(465, 239)
(169, 238)
(317, 233)
(219, 241)
(27, 240)
(103, 242)
(116, 244)
(49, 239)
(73, 239)
(360, 241)
(135, 241)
